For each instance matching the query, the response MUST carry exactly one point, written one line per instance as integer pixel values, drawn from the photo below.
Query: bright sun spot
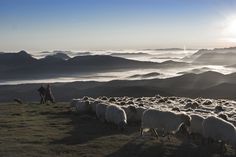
(230, 29)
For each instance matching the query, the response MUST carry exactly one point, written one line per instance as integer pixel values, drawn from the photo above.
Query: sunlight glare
(230, 29)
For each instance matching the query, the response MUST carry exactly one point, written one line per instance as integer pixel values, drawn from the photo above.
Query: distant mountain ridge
(22, 65)
(60, 55)
(21, 57)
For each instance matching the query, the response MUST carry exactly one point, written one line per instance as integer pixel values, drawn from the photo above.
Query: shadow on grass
(177, 147)
(140, 147)
(86, 128)
(206, 150)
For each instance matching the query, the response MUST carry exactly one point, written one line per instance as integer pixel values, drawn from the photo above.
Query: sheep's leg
(168, 137)
(167, 134)
(234, 150)
(141, 131)
(222, 147)
(163, 132)
(155, 133)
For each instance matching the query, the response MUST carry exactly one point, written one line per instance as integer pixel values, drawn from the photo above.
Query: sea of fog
(140, 55)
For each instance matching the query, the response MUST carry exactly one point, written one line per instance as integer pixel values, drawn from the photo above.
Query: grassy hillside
(54, 130)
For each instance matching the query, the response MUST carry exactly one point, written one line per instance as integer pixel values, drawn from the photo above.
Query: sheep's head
(223, 116)
(219, 108)
(186, 119)
(175, 109)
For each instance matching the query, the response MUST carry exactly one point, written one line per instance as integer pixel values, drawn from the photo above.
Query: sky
(41, 25)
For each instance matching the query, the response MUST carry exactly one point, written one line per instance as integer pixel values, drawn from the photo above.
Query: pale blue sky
(38, 25)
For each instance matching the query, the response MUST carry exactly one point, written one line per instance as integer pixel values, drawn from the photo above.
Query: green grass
(30, 130)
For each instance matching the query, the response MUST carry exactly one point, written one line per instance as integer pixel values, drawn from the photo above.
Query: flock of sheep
(209, 119)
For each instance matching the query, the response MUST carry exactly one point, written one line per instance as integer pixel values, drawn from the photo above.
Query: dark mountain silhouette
(195, 55)
(83, 53)
(148, 75)
(196, 71)
(63, 53)
(16, 59)
(60, 55)
(171, 63)
(224, 90)
(23, 66)
(207, 85)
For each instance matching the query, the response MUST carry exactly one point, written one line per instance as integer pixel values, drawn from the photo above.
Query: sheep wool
(219, 129)
(134, 113)
(93, 105)
(82, 106)
(116, 115)
(101, 110)
(139, 113)
(196, 124)
(169, 121)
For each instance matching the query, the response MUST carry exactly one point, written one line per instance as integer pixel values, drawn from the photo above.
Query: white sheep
(93, 105)
(134, 113)
(82, 106)
(116, 115)
(196, 124)
(219, 129)
(130, 111)
(139, 113)
(101, 110)
(167, 121)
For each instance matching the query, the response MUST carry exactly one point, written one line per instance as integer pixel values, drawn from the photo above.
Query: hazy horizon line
(114, 49)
